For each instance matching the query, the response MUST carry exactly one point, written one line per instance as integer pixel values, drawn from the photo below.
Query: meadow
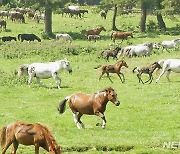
(148, 115)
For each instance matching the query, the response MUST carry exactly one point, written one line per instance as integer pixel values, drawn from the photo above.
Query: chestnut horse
(94, 104)
(95, 31)
(120, 35)
(28, 134)
(116, 68)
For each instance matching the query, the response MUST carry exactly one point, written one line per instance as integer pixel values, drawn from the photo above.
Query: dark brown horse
(147, 70)
(116, 68)
(120, 35)
(94, 104)
(3, 24)
(28, 134)
(110, 53)
(95, 31)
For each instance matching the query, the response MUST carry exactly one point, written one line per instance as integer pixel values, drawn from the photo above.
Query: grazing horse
(110, 53)
(120, 35)
(147, 70)
(8, 38)
(45, 70)
(116, 68)
(103, 14)
(95, 31)
(66, 37)
(3, 24)
(170, 44)
(94, 104)
(17, 16)
(28, 37)
(169, 65)
(28, 134)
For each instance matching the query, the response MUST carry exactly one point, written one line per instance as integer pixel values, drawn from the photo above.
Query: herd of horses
(38, 134)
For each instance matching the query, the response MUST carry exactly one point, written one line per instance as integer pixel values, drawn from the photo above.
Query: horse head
(123, 63)
(112, 96)
(156, 65)
(66, 65)
(102, 28)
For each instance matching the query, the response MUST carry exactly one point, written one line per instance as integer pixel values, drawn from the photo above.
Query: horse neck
(102, 98)
(153, 68)
(119, 65)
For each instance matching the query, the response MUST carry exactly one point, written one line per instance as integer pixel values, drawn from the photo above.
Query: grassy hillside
(148, 115)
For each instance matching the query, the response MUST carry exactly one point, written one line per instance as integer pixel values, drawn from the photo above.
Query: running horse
(116, 68)
(94, 104)
(28, 134)
(96, 31)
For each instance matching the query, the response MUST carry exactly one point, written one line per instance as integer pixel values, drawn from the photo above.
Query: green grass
(147, 117)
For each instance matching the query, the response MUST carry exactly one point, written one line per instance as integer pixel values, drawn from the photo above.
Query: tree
(48, 6)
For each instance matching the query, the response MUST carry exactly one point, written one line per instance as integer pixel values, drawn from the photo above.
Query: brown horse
(147, 70)
(28, 134)
(120, 35)
(94, 104)
(95, 31)
(3, 24)
(116, 68)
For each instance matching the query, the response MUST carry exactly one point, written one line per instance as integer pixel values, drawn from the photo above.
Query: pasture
(148, 115)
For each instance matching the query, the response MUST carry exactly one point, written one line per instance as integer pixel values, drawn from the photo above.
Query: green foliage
(151, 26)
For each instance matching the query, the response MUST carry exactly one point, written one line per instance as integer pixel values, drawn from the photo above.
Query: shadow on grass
(98, 148)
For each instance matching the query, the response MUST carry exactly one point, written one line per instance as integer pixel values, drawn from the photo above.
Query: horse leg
(163, 71)
(101, 115)
(75, 116)
(167, 75)
(57, 80)
(139, 76)
(120, 77)
(102, 73)
(15, 146)
(109, 77)
(150, 75)
(123, 77)
(79, 120)
(39, 81)
(36, 148)
(8, 143)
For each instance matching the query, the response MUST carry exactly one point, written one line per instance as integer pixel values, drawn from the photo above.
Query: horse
(17, 16)
(67, 37)
(95, 31)
(103, 14)
(28, 37)
(3, 24)
(120, 35)
(94, 104)
(110, 53)
(45, 70)
(170, 44)
(28, 134)
(93, 37)
(116, 68)
(147, 70)
(8, 38)
(169, 65)
(142, 49)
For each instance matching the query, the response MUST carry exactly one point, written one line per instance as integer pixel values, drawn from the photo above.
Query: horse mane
(108, 88)
(48, 134)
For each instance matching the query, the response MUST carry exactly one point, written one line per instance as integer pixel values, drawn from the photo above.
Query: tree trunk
(143, 18)
(114, 18)
(48, 20)
(161, 22)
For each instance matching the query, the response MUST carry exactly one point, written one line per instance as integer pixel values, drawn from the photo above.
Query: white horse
(142, 49)
(67, 37)
(169, 65)
(45, 70)
(170, 44)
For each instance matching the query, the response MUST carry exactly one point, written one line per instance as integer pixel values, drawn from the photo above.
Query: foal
(110, 53)
(114, 69)
(147, 70)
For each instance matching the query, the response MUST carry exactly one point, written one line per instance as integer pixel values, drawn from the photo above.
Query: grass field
(147, 117)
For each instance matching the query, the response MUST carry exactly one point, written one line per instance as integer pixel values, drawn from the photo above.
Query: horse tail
(134, 69)
(19, 36)
(3, 136)
(62, 105)
(97, 67)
